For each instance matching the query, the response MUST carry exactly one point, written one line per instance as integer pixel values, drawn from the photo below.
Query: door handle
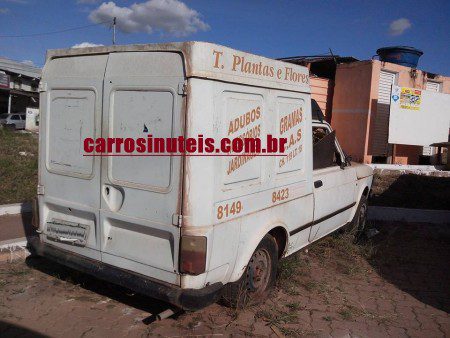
(318, 184)
(113, 197)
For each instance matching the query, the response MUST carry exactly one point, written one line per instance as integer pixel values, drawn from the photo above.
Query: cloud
(28, 62)
(85, 44)
(168, 16)
(399, 26)
(4, 10)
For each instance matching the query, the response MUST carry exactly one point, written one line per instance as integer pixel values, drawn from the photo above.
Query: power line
(53, 32)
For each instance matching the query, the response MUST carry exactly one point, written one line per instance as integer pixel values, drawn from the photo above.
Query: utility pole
(114, 31)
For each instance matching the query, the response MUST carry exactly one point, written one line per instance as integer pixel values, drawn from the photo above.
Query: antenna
(114, 31)
(334, 57)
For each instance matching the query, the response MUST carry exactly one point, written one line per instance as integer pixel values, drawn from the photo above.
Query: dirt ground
(396, 284)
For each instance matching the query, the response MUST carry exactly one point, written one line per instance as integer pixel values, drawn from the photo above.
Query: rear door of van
(121, 210)
(71, 106)
(140, 195)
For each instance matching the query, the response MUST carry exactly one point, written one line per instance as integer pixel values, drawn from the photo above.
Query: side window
(325, 152)
(15, 117)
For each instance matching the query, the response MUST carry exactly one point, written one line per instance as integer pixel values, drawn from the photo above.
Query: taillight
(192, 255)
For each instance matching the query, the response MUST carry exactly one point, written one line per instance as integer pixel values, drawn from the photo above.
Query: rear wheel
(259, 276)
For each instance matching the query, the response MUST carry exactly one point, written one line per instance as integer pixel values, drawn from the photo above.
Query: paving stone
(399, 296)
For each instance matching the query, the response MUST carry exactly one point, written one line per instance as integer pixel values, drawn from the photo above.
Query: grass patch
(346, 314)
(393, 189)
(293, 306)
(290, 269)
(16, 271)
(3, 283)
(340, 251)
(277, 317)
(18, 172)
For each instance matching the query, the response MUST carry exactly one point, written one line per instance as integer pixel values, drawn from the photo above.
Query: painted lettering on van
(244, 120)
(237, 162)
(290, 156)
(291, 120)
(238, 124)
(242, 64)
(255, 68)
(291, 124)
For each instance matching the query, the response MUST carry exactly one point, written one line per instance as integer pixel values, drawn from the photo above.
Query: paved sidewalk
(15, 226)
(394, 286)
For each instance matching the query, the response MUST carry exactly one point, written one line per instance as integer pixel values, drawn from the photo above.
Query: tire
(358, 223)
(258, 278)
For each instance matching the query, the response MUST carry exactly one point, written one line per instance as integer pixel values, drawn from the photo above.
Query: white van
(186, 230)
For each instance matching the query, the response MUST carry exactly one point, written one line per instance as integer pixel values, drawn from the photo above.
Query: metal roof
(319, 58)
(320, 65)
(16, 67)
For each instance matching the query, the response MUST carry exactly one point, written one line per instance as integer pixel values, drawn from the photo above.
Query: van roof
(211, 61)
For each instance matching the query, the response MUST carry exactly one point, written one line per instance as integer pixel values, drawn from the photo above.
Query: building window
(433, 86)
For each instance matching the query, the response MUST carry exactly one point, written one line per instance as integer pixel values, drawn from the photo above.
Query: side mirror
(346, 162)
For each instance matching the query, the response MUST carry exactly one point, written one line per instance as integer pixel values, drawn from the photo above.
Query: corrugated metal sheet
(19, 68)
(381, 123)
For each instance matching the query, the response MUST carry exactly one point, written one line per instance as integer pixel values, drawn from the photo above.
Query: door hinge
(177, 220)
(182, 88)
(42, 87)
(40, 190)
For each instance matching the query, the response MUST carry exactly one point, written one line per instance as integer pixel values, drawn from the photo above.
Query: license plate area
(67, 232)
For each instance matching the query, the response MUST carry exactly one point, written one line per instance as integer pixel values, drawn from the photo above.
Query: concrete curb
(14, 209)
(13, 250)
(376, 213)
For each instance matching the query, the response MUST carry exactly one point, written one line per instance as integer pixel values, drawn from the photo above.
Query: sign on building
(4, 80)
(418, 117)
(32, 119)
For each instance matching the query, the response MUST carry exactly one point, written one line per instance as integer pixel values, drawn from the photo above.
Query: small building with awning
(19, 84)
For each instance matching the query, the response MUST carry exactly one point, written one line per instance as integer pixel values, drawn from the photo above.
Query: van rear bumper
(187, 299)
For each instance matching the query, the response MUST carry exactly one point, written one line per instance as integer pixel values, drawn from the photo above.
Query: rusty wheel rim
(258, 272)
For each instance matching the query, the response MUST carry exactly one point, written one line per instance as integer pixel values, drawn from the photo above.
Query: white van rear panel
(121, 208)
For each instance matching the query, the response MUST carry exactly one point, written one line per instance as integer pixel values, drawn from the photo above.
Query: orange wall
(322, 92)
(351, 107)
(405, 79)
(408, 154)
(355, 106)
